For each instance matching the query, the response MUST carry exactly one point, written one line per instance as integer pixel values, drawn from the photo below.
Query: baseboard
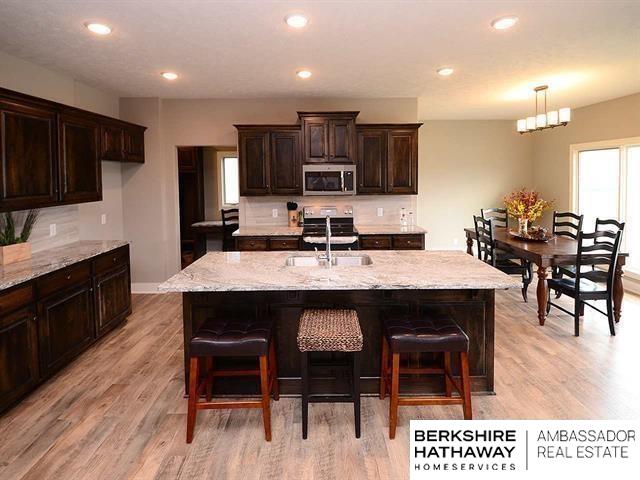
(142, 287)
(631, 285)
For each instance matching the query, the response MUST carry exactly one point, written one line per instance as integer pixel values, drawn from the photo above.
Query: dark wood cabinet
(66, 325)
(388, 158)
(134, 144)
(402, 241)
(50, 153)
(286, 168)
(402, 166)
(80, 169)
(111, 143)
(28, 177)
(19, 371)
(47, 322)
(113, 298)
(328, 137)
(254, 158)
(372, 161)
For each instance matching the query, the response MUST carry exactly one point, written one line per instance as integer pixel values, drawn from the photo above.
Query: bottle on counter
(411, 219)
(403, 217)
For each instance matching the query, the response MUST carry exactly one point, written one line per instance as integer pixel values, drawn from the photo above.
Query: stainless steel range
(343, 235)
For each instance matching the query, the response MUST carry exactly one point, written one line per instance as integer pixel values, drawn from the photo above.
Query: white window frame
(222, 181)
(623, 144)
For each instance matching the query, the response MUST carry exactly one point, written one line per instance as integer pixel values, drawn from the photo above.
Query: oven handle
(344, 189)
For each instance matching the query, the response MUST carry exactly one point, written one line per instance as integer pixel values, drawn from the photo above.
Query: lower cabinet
(392, 242)
(47, 322)
(19, 371)
(66, 326)
(262, 244)
(113, 299)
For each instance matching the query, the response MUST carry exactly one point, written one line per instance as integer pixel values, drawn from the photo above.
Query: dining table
(557, 251)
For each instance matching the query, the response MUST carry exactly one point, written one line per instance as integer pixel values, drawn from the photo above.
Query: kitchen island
(223, 284)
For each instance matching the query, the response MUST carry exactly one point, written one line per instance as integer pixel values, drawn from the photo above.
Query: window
(230, 181)
(606, 184)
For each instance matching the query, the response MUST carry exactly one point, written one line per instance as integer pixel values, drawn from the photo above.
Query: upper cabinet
(328, 137)
(28, 155)
(388, 159)
(80, 172)
(270, 160)
(50, 153)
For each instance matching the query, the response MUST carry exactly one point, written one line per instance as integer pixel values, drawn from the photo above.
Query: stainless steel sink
(336, 260)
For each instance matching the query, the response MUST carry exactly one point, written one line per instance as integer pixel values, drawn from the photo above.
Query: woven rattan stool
(330, 330)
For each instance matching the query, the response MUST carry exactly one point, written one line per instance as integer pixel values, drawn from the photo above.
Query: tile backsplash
(66, 220)
(259, 210)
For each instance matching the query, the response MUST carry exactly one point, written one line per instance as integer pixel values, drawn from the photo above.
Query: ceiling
(587, 51)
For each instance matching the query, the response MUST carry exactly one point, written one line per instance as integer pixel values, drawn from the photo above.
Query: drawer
(375, 242)
(62, 279)
(252, 244)
(115, 258)
(408, 242)
(289, 243)
(16, 298)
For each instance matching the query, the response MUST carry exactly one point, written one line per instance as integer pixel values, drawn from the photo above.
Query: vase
(293, 218)
(523, 226)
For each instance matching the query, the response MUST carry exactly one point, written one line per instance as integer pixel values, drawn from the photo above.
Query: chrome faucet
(327, 255)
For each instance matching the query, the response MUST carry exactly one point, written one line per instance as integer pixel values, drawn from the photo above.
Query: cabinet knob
(69, 277)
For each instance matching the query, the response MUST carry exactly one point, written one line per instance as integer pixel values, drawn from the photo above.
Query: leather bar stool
(330, 330)
(231, 338)
(429, 334)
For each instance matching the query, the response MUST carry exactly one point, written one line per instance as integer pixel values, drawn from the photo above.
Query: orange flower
(526, 204)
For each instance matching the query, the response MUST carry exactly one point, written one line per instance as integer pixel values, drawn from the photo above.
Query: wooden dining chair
(598, 250)
(566, 224)
(487, 253)
(230, 218)
(498, 216)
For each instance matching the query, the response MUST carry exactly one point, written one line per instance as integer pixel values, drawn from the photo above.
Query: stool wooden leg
(208, 362)
(273, 368)
(355, 358)
(466, 385)
(393, 404)
(384, 365)
(193, 397)
(447, 372)
(264, 388)
(304, 374)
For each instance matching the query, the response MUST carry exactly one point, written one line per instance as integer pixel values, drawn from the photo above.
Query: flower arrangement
(526, 206)
(14, 247)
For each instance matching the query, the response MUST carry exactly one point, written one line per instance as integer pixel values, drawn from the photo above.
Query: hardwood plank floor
(118, 412)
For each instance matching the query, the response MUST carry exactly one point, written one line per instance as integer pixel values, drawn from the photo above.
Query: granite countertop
(283, 230)
(208, 223)
(399, 270)
(389, 229)
(267, 231)
(47, 261)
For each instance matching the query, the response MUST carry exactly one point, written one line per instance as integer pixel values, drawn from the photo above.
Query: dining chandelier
(543, 119)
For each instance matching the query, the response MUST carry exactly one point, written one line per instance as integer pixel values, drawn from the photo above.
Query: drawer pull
(115, 259)
(69, 277)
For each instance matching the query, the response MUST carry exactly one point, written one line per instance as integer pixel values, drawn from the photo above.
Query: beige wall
(465, 165)
(79, 221)
(615, 119)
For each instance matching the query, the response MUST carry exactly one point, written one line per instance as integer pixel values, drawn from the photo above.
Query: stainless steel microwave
(329, 179)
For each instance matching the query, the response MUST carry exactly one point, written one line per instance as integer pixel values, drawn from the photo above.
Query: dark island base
(472, 309)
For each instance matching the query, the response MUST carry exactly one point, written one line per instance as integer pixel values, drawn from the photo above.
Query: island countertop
(396, 270)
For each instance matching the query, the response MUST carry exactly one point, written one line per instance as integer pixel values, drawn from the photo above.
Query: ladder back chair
(229, 225)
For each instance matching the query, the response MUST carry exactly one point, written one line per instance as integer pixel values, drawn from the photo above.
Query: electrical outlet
(455, 241)
(52, 230)
(380, 211)
(274, 213)
(103, 219)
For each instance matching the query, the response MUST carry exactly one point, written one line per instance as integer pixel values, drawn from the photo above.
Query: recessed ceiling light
(296, 20)
(169, 75)
(303, 73)
(503, 23)
(98, 28)
(445, 71)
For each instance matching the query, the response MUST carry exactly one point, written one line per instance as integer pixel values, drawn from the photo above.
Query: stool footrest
(415, 401)
(320, 398)
(235, 404)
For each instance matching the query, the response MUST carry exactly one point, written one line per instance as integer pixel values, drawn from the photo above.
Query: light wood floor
(118, 412)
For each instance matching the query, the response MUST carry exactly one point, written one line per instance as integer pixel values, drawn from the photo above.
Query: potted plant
(292, 213)
(16, 248)
(526, 206)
